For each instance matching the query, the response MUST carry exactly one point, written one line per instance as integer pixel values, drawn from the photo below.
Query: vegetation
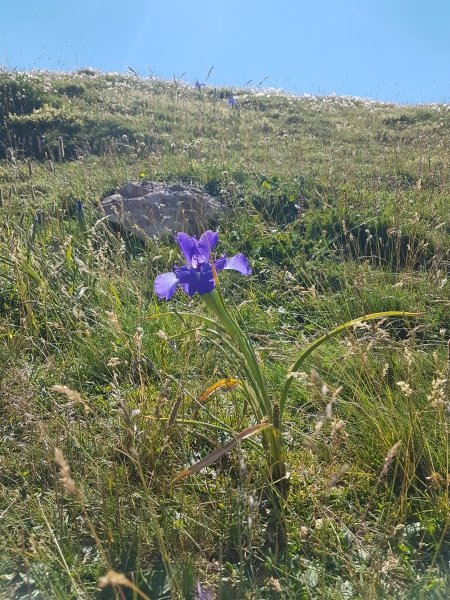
(342, 207)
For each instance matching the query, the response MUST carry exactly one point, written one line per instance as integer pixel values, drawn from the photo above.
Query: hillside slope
(342, 207)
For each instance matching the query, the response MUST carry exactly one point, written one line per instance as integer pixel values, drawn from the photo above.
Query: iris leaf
(330, 334)
(219, 452)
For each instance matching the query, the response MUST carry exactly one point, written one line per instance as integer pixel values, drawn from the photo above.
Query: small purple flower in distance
(197, 274)
(203, 593)
(232, 101)
(198, 86)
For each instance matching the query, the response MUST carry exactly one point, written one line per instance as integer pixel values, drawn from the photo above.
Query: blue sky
(395, 50)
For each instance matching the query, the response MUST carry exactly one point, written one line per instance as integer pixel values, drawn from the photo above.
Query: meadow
(342, 208)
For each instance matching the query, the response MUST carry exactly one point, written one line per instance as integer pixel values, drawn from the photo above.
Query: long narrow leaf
(214, 426)
(215, 303)
(173, 313)
(252, 390)
(215, 419)
(258, 403)
(330, 334)
(219, 452)
(223, 428)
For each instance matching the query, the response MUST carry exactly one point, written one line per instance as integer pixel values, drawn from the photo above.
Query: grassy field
(342, 207)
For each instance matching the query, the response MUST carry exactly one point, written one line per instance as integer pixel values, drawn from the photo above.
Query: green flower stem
(217, 306)
(272, 440)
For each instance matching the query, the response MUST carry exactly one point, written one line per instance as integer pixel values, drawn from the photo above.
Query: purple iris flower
(197, 274)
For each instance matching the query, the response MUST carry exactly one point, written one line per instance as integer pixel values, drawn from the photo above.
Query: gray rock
(149, 208)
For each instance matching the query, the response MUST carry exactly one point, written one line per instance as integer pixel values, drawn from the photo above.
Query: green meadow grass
(342, 206)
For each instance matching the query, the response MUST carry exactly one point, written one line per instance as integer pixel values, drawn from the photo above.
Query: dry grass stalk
(114, 320)
(118, 579)
(174, 412)
(336, 477)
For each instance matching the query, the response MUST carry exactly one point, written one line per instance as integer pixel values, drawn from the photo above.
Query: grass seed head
(71, 395)
(65, 474)
(389, 458)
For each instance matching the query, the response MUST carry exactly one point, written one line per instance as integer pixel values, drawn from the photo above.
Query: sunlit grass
(342, 207)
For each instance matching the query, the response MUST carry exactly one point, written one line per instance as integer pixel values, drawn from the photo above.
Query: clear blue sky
(396, 50)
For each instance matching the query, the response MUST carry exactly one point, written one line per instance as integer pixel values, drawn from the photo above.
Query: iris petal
(189, 288)
(220, 263)
(205, 282)
(185, 273)
(237, 263)
(188, 278)
(165, 285)
(206, 244)
(188, 246)
(199, 280)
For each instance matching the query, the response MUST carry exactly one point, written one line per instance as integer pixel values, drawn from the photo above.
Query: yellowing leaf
(223, 384)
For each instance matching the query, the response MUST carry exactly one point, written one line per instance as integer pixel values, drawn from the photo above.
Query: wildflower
(232, 101)
(203, 593)
(198, 274)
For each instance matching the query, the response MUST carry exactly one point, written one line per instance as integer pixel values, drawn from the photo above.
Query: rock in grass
(148, 209)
